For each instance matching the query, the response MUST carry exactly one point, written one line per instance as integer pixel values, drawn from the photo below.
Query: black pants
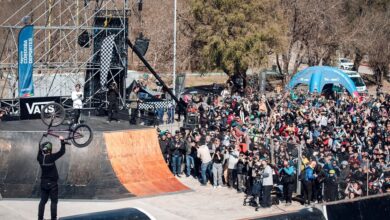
(180, 113)
(330, 193)
(232, 174)
(133, 116)
(266, 199)
(48, 189)
(112, 108)
(77, 113)
(317, 191)
(307, 191)
(288, 189)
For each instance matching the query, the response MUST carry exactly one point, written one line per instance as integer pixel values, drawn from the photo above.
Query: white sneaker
(214, 187)
(219, 186)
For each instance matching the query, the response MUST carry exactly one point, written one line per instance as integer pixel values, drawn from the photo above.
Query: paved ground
(201, 203)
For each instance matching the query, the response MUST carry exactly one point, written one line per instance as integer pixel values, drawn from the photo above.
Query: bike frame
(53, 132)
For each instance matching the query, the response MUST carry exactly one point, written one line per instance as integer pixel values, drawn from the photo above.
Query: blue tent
(317, 77)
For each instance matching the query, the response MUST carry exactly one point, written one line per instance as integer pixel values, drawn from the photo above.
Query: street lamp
(174, 46)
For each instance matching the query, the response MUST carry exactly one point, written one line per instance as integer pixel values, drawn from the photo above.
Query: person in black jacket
(331, 187)
(164, 146)
(182, 109)
(318, 183)
(177, 148)
(241, 173)
(287, 179)
(49, 177)
(112, 98)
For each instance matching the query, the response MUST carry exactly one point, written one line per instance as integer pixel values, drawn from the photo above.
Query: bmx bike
(54, 114)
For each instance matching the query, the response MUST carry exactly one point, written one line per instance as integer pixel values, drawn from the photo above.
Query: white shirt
(268, 181)
(77, 99)
(233, 159)
(204, 154)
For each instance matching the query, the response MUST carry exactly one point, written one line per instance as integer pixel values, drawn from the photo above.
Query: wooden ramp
(117, 164)
(138, 163)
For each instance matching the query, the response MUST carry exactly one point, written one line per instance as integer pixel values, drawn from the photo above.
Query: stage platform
(122, 161)
(98, 124)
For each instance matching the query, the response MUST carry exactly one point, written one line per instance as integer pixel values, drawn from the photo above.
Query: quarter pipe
(117, 164)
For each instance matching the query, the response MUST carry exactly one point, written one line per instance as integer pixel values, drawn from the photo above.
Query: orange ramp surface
(138, 163)
(117, 164)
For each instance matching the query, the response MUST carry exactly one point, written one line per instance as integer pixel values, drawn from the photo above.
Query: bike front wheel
(82, 135)
(53, 114)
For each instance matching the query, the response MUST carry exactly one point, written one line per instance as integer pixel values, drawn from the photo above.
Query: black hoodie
(47, 163)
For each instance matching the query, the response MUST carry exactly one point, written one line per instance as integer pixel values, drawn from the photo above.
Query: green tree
(233, 35)
(367, 26)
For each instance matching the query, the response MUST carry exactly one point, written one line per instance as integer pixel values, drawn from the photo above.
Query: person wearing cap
(331, 187)
(267, 183)
(49, 177)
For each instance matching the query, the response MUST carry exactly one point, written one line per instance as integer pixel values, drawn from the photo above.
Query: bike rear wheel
(82, 135)
(53, 114)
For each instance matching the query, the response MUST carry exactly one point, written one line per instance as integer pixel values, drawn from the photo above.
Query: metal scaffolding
(59, 61)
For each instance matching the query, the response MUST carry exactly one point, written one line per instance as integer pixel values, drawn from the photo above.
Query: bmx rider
(49, 178)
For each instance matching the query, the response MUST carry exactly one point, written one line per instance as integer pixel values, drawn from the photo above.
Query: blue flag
(26, 61)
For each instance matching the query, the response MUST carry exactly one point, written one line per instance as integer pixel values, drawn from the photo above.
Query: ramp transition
(117, 164)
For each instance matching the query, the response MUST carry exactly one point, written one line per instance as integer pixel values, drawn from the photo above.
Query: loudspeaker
(84, 39)
(192, 121)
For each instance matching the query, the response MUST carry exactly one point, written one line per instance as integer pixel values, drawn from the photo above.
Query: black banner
(30, 108)
(180, 81)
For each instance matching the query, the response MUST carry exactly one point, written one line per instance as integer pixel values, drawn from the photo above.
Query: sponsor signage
(26, 61)
(30, 108)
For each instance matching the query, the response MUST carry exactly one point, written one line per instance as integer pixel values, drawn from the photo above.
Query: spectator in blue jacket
(287, 179)
(308, 180)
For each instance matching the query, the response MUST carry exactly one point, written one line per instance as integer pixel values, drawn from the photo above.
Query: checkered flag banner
(105, 59)
(155, 105)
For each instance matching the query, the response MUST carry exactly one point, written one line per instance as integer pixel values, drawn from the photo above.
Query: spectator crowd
(335, 146)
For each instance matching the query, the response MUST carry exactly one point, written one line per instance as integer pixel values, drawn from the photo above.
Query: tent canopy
(317, 77)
